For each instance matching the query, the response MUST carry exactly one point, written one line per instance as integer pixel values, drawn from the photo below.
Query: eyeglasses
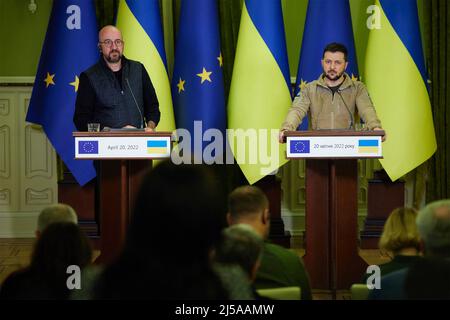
(109, 42)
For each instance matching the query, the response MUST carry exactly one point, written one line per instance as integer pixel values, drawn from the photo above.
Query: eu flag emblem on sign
(69, 48)
(299, 146)
(88, 147)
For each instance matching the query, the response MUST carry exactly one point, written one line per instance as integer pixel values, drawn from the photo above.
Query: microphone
(352, 120)
(143, 124)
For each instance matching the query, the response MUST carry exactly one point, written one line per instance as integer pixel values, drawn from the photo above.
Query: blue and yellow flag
(260, 90)
(197, 84)
(70, 47)
(396, 78)
(326, 21)
(140, 24)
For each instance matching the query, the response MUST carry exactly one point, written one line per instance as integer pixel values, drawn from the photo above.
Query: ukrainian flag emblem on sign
(157, 146)
(368, 146)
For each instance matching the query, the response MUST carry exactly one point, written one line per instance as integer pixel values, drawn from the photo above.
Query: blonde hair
(400, 231)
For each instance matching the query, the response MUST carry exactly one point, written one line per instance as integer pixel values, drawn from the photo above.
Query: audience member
(433, 223)
(279, 266)
(61, 244)
(241, 246)
(400, 240)
(177, 221)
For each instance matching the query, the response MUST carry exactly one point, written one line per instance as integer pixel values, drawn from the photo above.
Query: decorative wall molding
(5, 154)
(5, 197)
(39, 197)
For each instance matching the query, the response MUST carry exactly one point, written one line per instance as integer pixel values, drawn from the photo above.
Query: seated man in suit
(279, 266)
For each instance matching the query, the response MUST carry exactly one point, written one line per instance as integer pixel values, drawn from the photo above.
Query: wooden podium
(121, 160)
(332, 258)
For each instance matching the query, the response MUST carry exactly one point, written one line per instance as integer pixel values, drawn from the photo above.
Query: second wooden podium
(332, 258)
(121, 160)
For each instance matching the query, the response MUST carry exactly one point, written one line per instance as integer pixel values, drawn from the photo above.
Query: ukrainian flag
(140, 23)
(157, 146)
(396, 78)
(259, 94)
(368, 146)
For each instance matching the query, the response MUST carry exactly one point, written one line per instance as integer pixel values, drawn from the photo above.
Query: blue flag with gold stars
(69, 48)
(326, 21)
(197, 84)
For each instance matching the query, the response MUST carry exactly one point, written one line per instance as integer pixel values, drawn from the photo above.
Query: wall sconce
(32, 6)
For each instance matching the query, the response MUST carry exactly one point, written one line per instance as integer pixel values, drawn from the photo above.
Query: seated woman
(400, 240)
(61, 244)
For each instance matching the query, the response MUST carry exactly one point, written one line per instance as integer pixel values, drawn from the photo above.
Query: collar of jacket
(347, 82)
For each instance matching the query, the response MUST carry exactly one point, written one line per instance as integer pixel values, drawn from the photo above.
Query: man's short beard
(336, 77)
(110, 60)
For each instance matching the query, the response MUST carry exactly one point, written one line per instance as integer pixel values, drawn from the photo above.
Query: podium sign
(334, 147)
(127, 147)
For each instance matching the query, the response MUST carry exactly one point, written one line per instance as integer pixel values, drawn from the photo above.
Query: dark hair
(60, 245)
(177, 219)
(246, 200)
(241, 245)
(336, 47)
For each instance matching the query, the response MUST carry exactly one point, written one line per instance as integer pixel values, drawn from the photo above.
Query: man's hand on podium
(151, 127)
(281, 137)
(383, 138)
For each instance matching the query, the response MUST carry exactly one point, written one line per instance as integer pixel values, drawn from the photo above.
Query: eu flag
(197, 84)
(326, 21)
(299, 146)
(70, 47)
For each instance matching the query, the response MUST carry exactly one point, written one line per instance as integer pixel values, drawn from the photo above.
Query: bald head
(109, 32)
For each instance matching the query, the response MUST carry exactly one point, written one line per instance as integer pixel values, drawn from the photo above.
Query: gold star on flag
(49, 79)
(180, 85)
(205, 75)
(354, 78)
(75, 83)
(220, 58)
(302, 84)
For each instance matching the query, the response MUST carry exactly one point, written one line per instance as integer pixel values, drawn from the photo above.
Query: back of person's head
(60, 245)
(428, 279)
(400, 231)
(433, 223)
(246, 202)
(241, 245)
(55, 213)
(182, 204)
(177, 220)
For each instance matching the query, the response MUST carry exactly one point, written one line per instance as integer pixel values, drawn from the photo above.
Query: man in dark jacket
(116, 92)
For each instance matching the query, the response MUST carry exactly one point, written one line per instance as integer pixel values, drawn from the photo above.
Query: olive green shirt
(332, 111)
